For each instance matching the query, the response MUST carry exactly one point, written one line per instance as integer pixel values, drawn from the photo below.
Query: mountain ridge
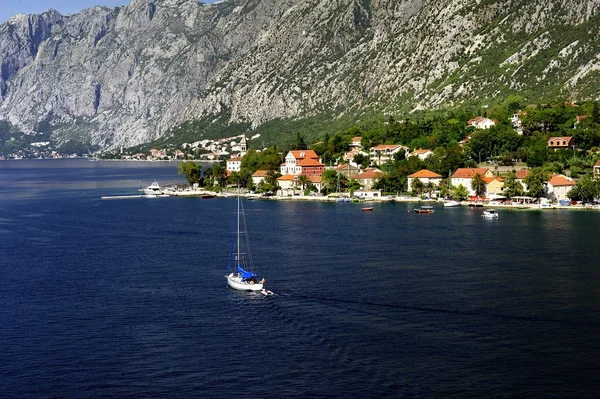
(128, 75)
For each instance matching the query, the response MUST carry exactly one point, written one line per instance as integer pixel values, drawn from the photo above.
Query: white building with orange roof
(355, 142)
(287, 184)
(385, 152)
(425, 176)
(349, 156)
(557, 143)
(368, 176)
(521, 175)
(559, 186)
(421, 154)
(464, 176)
(302, 162)
(259, 176)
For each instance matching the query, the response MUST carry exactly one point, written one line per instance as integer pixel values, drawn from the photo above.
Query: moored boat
(425, 209)
(449, 204)
(152, 189)
(367, 209)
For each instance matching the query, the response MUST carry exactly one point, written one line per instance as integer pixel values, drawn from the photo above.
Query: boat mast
(238, 228)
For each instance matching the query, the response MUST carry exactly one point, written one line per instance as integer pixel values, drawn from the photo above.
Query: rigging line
(449, 311)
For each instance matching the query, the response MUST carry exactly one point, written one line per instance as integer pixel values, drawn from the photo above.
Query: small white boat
(240, 275)
(451, 204)
(490, 214)
(152, 189)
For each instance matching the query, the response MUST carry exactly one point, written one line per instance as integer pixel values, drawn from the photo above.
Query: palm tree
(303, 181)
(478, 185)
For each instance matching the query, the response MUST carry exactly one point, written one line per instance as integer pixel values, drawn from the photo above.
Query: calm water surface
(127, 298)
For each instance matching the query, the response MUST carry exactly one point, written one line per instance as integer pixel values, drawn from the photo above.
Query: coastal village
(302, 175)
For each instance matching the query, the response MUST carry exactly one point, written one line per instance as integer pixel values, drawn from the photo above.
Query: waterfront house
(425, 176)
(557, 143)
(481, 122)
(368, 176)
(521, 175)
(494, 185)
(234, 164)
(558, 187)
(368, 194)
(287, 185)
(597, 170)
(465, 175)
(421, 154)
(259, 176)
(385, 152)
(299, 162)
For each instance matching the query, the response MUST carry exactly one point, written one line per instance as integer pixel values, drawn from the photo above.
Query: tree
(330, 179)
(536, 183)
(595, 113)
(478, 185)
(191, 171)
(362, 160)
(459, 192)
(417, 186)
(300, 144)
(303, 181)
(512, 186)
(586, 189)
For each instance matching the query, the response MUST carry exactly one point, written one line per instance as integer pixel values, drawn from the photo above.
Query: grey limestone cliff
(124, 76)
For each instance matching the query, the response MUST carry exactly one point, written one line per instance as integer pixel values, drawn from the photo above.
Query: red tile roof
(424, 173)
(488, 180)
(309, 162)
(382, 147)
(522, 174)
(260, 173)
(468, 173)
(287, 177)
(560, 180)
(300, 154)
(369, 174)
(597, 163)
(558, 141)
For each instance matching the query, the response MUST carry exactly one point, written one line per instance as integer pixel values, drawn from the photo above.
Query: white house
(234, 164)
(481, 122)
(422, 154)
(367, 194)
(385, 152)
(425, 176)
(558, 187)
(521, 175)
(259, 176)
(464, 176)
(516, 121)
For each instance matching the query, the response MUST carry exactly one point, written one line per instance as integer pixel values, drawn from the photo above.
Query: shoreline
(385, 200)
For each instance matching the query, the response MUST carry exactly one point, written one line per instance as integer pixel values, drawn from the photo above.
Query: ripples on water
(128, 298)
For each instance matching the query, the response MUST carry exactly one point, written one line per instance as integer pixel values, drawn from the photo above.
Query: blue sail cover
(245, 274)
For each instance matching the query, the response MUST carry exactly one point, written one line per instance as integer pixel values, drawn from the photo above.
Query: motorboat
(367, 209)
(425, 209)
(152, 189)
(490, 214)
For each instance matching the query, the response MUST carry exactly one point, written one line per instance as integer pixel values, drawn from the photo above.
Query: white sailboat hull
(235, 282)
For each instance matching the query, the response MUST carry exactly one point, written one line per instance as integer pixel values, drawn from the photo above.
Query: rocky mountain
(127, 75)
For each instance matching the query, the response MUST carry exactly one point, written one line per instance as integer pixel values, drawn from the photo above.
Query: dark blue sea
(127, 298)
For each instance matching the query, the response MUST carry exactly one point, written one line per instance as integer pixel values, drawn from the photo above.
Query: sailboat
(240, 275)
